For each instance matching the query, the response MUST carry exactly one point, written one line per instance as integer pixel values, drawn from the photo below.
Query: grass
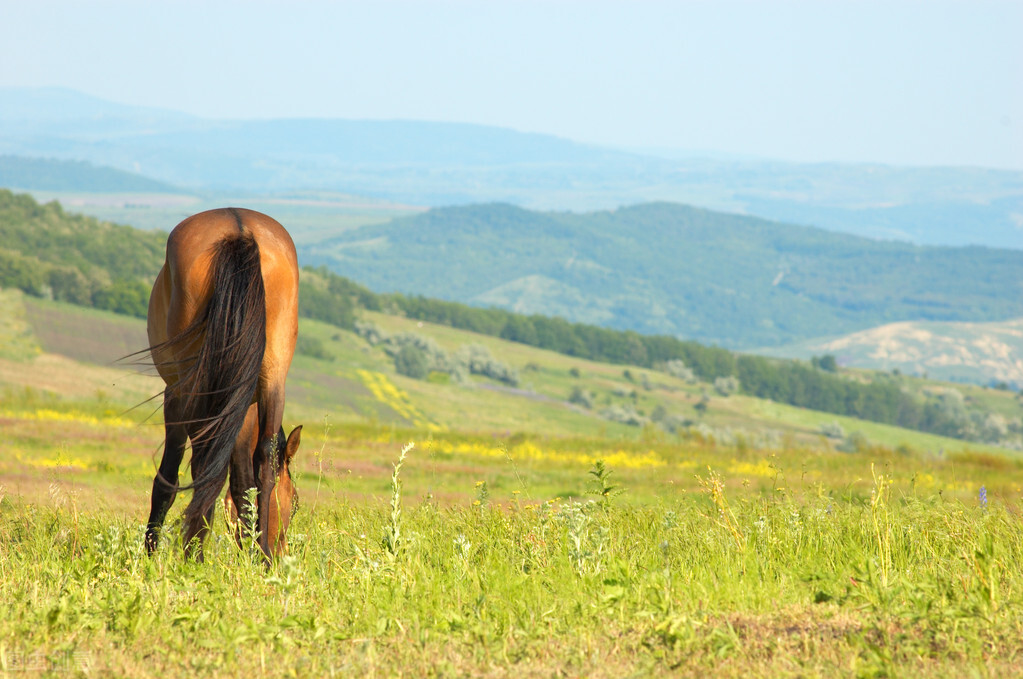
(520, 537)
(808, 581)
(17, 340)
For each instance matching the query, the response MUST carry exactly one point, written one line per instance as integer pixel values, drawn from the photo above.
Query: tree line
(817, 386)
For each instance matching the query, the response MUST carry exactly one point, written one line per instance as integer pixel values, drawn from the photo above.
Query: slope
(733, 280)
(347, 381)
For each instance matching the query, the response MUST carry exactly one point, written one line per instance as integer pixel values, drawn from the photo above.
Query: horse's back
(182, 287)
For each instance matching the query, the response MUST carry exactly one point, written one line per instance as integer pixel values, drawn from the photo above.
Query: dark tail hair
(220, 381)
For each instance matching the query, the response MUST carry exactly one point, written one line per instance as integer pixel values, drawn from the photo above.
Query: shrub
(726, 386)
(826, 363)
(624, 415)
(370, 332)
(581, 397)
(411, 362)
(677, 368)
(123, 296)
(312, 347)
(856, 442)
(479, 361)
(833, 430)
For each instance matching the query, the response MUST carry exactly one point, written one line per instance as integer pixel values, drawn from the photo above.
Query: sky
(898, 82)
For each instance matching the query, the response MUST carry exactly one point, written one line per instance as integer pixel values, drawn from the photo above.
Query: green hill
(53, 254)
(732, 280)
(353, 379)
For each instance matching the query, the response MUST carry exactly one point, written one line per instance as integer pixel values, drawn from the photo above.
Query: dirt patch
(524, 393)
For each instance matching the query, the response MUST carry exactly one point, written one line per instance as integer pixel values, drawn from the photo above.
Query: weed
(715, 488)
(482, 495)
(393, 540)
(602, 486)
(250, 532)
(587, 539)
(880, 499)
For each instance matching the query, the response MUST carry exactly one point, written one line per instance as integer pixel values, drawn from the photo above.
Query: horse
(222, 325)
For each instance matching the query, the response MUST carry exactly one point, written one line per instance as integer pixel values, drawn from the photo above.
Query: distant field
(87, 334)
(309, 218)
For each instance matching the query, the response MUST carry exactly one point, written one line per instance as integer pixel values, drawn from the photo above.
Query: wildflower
(983, 498)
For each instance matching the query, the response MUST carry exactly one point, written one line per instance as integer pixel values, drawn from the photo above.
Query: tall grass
(814, 582)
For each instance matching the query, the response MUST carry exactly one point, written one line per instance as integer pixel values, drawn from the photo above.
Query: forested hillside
(50, 253)
(732, 280)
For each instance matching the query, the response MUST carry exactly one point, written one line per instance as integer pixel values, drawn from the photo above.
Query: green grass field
(498, 548)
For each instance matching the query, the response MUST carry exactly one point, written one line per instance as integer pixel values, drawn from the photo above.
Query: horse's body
(223, 321)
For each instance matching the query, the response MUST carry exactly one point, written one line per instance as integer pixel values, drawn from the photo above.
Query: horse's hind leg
(165, 485)
(265, 460)
(198, 519)
(243, 477)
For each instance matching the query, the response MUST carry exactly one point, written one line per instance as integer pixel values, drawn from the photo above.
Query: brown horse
(223, 321)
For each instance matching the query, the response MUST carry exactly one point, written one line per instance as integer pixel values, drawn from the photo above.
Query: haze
(906, 83)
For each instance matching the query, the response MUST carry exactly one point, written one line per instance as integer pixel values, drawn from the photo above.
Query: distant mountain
(260, 155)
(44, 174)
(982, 353)
(54, 112)
(738, 281)
(438, 164)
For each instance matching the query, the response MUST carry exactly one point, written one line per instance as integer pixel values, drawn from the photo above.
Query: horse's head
(284, 499)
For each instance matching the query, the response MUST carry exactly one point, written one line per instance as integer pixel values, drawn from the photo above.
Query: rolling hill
(56, 254)
(70, 354)
(732, 280)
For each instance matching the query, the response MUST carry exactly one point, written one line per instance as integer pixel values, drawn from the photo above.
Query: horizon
(904, 84)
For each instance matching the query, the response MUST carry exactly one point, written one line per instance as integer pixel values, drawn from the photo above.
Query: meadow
(517, 536)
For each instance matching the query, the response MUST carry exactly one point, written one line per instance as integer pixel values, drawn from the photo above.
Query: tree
(519, 329)
(826, 363)
(124, 297)
(726, 386)
(411, 362)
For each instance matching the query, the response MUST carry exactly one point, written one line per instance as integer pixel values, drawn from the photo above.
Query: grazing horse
(223, 321)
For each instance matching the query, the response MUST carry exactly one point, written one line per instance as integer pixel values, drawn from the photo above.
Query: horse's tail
(218, 387)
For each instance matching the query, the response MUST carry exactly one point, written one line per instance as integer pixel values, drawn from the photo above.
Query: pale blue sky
(911, 83)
